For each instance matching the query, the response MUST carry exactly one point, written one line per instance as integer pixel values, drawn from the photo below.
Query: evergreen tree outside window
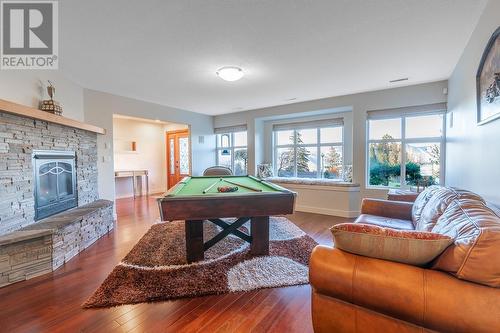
(309, 152)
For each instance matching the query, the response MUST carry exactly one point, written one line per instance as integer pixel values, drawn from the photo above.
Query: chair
(459, 291)
(218, 171)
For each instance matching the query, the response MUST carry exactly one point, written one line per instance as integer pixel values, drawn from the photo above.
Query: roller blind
(309, 124)
(408, 111)
(230, 129)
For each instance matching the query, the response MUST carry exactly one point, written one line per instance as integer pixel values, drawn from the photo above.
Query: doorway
(178, 161)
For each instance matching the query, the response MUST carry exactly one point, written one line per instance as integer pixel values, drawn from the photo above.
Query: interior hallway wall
(150, 154)
(99, 109)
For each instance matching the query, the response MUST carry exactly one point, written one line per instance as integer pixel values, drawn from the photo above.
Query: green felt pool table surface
(191, 186)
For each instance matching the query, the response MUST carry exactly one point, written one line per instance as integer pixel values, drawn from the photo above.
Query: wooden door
(178, 156)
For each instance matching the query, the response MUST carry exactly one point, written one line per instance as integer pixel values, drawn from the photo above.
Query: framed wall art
(488, 81)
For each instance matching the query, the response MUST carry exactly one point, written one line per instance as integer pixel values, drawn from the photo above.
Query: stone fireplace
(55, 182)
(21, 139)
(49, 204)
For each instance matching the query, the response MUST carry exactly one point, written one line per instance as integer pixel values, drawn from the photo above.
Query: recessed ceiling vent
(399, 80)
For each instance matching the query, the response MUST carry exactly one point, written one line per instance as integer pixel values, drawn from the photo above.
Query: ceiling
(142, 120)
(167, 52)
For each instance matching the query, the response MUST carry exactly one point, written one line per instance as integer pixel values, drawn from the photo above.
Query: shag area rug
(156, 268)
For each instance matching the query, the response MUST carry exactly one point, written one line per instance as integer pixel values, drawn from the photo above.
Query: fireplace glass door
(55, 182)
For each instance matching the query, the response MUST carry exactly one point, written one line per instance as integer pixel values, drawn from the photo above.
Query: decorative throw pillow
(409, 247)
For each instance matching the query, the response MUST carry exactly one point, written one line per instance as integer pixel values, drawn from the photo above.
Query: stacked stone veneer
(30, 248)
(19, 136)
(25, 258)
(43, 247)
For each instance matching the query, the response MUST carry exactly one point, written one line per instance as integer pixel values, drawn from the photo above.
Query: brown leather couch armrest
(393, 209)
(428, 298)
(408, 197)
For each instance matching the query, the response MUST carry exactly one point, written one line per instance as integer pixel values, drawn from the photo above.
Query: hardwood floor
(51, 303)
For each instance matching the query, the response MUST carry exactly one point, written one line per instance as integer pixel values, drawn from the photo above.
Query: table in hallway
(134, 174)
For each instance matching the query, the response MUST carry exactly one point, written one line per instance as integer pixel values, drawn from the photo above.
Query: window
(406, 150)
(309, 150)
(232, 151)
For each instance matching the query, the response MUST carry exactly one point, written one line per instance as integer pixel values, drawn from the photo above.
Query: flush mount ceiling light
(230, 73)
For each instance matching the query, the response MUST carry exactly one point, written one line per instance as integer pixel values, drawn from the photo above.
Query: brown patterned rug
(156, 269)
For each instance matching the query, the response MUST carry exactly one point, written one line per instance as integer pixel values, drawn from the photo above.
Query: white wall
(150, 153)
(472, 151)
(28, 87)
(429, 93)
(341, 201)
(174, 127)
(99, 109)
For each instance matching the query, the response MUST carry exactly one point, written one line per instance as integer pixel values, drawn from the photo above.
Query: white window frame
(318, 145)
(231, 147)
(404, 141)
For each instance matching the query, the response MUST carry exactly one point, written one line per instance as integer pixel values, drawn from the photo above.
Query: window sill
(386, 188)
(319, 184)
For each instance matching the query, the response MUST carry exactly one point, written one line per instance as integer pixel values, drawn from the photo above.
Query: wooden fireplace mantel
(29, 112)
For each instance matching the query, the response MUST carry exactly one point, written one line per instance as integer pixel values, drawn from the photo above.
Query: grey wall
(359, 103)
(28, 87)
(99, 108)
(473, 153)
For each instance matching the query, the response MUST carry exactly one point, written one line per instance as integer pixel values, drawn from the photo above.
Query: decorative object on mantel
(264, 170)
(29, 112)
(49, 105)
(488, 81)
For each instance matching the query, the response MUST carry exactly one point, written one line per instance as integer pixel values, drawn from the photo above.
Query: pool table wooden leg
(194, 240)
(259, 229)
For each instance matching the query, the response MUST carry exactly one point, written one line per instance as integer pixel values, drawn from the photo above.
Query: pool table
(195, 199)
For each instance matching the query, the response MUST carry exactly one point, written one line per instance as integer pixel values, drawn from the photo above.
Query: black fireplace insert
(55, 182)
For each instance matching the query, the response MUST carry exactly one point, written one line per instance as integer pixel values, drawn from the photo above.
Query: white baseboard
(327, 211)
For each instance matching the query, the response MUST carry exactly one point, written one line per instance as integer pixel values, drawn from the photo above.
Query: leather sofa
(458, 292)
